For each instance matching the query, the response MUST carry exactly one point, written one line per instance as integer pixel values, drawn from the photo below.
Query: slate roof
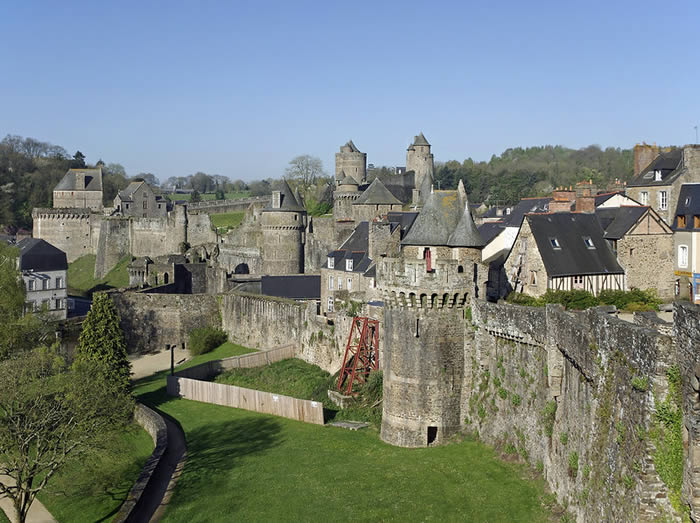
(295, 287)
(287, 200)
(347, 180)
(377, 194)
(526, 206)
(93, 180)
(669, 163)
(616, 221)
(352, 146)
(40, 255)
(489, 230)
(573, 257)
(688, 206)
(405, 220)
(600, 199)
(420, 140)
(444, 220)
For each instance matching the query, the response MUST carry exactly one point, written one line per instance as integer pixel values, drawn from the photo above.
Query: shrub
(549, 414)
(518, 298)
(576, 299)
(205, 339)
(573, 464)
(632, 300)
(640, 383)
(503, 393)
(515, 400)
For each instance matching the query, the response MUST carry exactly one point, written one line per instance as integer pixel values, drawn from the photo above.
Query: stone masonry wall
(71, 230)
(557, 389)
(687, 334)
(648, 261)
(152, 321)
(320, 240)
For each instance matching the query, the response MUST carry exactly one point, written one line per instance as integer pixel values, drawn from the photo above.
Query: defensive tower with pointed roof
(283, 223)
(419, 159)
(350, 161)
(426, 291)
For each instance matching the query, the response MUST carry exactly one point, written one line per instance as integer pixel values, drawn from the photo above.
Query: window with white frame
(331, 262)
(329, 307)
(683, 256)
(644, 197)
(578, 280)
(348, 265)
(340, 282)
(657, 175)
(589, 242)
(59, 282)
(330, 283)
(30, 285)
(663, 200)
(555, 243)
(349, 284)
(45, 284)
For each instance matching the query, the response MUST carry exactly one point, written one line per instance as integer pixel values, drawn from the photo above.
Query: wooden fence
(189, 384)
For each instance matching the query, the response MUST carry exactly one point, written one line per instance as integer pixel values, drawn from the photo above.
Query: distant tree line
(535, 171)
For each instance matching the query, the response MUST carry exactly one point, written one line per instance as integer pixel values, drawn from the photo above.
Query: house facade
(139, 200)
(44, 271)
(79, 189)
(686, 243)
(562, 251)
(658, 185)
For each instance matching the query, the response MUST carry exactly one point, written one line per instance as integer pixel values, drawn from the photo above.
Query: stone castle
(573, 392)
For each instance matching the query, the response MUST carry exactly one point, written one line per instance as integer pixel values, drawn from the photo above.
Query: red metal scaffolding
(361, 353)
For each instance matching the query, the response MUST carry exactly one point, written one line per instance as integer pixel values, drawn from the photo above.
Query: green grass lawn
(209, 196)
(227, 221)
(93, 487)
(81, 276)
(254, 467)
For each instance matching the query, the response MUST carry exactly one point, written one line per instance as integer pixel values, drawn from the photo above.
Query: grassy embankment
(209, 196)
(93, 487)
(249, 466)
(81, 276)
(225, 222)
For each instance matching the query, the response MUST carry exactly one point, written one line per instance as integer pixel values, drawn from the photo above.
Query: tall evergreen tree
(102, 341)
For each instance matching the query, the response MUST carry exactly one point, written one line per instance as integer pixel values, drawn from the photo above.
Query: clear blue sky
(239, 88)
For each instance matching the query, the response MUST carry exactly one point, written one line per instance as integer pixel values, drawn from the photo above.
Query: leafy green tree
(78, 160)
(19, 332)
(49, 414)
(102, 341)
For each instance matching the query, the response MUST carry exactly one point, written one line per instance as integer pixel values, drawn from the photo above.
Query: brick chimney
(585, 204)
(79, 181)
(644, 154)
(563, 199)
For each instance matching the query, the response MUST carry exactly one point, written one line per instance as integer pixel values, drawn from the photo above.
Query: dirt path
(147, 364)
(156, 496)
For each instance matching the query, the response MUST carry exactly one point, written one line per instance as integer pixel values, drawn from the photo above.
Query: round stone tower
(344, 196)
(419, 159)
(283, 224)
(351, 162)
(426, 292)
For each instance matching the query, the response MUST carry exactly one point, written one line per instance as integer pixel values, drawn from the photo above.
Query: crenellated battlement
(66, 213)
(407, 299)
(444, 275)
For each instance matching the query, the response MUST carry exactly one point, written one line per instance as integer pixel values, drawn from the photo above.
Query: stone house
(375, 201)
(139, 200)
(658, 184)
(686, 243)
(79, 189)
(562, 251)
(643, 244)
(44, 269)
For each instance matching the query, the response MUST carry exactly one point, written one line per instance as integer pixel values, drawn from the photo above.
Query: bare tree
(305, 169)
(49, 413)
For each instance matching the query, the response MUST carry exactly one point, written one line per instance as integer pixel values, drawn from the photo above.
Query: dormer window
(348, 265)
(555, 243)
(682, 221)
(589, 243)
(331, 262)
(657, 175)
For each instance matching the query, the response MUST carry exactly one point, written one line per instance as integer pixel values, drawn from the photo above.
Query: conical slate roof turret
(377, 194)
(466, 234)
(437, 219)
(352, 146)
(287, 200)
(426, 187)
(347, 180)
(420, 140)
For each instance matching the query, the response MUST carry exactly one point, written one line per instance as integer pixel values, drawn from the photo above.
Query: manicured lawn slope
(94, 487)
(253, 467)
(227, 221)
(81, 276)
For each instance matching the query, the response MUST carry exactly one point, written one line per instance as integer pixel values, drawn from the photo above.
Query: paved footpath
(37, 512)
